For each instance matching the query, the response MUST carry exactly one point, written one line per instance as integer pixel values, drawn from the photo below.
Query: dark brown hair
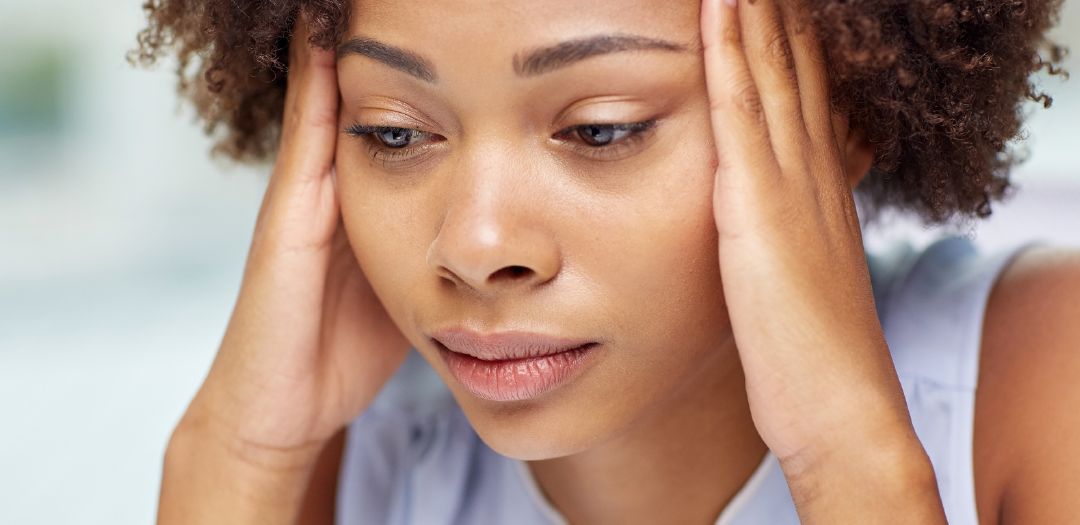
(938, 86)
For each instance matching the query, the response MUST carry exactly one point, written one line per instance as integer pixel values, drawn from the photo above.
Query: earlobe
(858, 156)
(858, 150)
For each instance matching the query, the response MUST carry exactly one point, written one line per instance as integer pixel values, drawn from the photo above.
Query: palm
(358, 338)
(309, 345)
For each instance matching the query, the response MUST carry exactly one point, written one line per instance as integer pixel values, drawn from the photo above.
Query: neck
(682, 463)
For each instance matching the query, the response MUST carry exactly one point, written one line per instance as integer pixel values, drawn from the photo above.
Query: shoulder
(1026, 418)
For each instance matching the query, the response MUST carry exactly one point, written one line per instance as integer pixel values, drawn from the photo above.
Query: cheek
(670, 289)
(388, 233)
(659, 261)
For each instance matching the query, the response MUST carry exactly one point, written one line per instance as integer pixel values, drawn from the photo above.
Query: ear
(858, 158)
(858, 151)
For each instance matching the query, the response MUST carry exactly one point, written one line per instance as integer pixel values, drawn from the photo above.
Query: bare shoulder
(1027, 411)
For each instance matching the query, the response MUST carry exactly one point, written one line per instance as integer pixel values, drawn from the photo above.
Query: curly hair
(938, 86)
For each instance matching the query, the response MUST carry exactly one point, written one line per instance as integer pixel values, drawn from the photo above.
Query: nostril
(511, 273)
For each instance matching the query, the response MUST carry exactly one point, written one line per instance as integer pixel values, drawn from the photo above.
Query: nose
(495, 236)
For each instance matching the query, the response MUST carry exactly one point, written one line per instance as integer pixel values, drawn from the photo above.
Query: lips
(510, 366)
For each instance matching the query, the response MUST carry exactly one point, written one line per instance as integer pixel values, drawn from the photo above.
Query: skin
(1026, 420)
(717, 258)
(498, 192)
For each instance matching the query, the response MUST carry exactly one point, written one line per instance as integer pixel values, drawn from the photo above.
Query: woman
(624, 236)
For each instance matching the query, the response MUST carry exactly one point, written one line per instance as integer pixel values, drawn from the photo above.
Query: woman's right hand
(309, 344)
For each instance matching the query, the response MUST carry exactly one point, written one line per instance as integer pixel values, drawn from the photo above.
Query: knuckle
(742, 99)
(746, 100)
(730, 36)
(710, 45)
(779, 54)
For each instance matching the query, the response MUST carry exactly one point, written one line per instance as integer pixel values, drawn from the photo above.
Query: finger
(309, 128)
(811, 71)
(738, 120)
(286, 271)
(769, 55)
(302, 186)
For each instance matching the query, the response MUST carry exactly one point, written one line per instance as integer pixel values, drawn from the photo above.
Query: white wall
(121, 247)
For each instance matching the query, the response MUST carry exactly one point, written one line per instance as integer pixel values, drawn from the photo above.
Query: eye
(401, 137)
(607, 142)
(599, 137)
(603, 134)
(391, 137)
(395, 148)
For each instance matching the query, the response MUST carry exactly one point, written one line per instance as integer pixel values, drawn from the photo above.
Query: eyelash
(390, 157)
(613, 151)
(412, 155)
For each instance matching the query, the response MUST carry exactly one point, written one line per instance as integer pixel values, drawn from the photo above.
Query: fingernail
(731, 3)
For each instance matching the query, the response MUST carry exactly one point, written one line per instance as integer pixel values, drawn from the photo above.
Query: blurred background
(122, 245)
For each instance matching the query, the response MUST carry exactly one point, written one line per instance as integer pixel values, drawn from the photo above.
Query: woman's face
(545, 236)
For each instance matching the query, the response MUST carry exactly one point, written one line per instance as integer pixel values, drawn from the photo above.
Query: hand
(308, 346)
(822, 388)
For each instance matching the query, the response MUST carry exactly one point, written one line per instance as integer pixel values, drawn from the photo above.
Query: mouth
(511, 366)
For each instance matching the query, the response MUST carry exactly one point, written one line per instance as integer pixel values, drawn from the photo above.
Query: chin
(536, 448)
(533, 440)
(552, 426)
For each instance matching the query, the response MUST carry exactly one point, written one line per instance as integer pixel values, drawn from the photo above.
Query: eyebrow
(527, 64)
(395, 57)
(547, 59)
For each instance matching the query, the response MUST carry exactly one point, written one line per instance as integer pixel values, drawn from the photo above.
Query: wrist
(884, 478)
(212, 475)
(202, 429)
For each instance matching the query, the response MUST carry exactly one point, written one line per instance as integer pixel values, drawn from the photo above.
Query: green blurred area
(31, 84)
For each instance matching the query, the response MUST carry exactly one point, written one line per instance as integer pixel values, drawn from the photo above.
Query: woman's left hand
(822, 388)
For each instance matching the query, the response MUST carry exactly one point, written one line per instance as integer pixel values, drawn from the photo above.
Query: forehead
(482, 30)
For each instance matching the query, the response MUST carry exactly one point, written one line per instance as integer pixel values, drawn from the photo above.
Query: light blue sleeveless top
(413, 459)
